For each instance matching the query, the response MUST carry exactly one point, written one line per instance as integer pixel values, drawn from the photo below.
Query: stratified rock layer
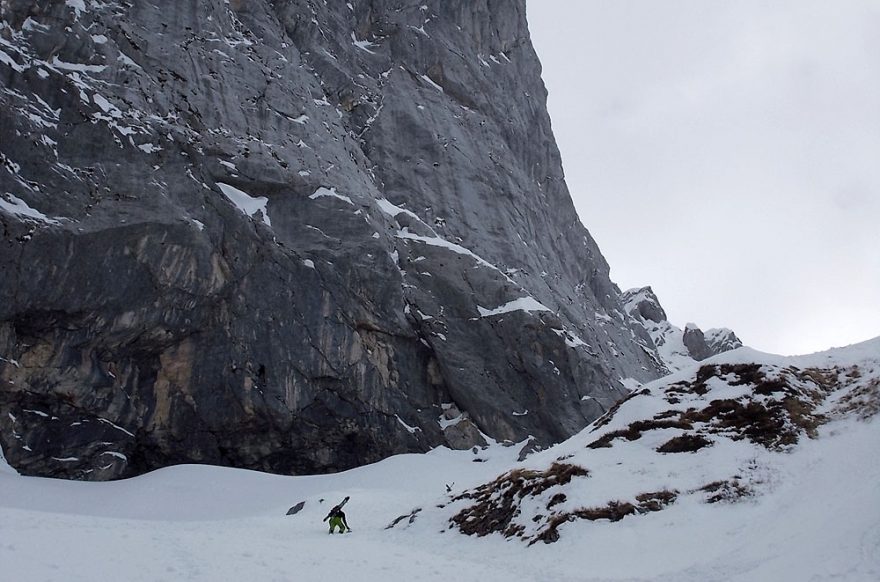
(288, 236)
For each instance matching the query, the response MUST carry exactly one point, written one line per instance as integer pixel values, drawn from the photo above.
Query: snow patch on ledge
(116, 426)
(392, 210)
(246, 203)
(570, 339)
(527, 304)
(364, 45)
(77, 67)
(431, 82)
(446, 423)
(410, 429)
(436, 241)
(18, 207)
(329, 192)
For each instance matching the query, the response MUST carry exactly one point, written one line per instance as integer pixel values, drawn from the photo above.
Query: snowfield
(809, 510)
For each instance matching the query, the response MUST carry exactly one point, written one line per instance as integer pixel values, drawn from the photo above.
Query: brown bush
(686, 443)
(634, 431)
(764, 425)
(614, 511)
(770, 387)
(863, 402)
(728, 490)
(494, 513)
(656, 500)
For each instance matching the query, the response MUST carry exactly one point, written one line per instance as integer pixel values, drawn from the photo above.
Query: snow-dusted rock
(260, 235)
(676, 348)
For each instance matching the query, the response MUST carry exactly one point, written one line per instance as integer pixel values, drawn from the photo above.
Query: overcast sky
(727, 153)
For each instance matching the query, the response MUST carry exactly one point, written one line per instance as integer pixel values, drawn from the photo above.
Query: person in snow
(337, 519)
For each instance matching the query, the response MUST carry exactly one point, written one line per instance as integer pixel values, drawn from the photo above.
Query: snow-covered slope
(780, 505)
(735, 431)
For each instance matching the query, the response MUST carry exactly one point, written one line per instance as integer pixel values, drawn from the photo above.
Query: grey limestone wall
(288, 236)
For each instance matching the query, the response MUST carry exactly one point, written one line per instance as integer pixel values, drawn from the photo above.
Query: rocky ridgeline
(712, 433)
(676, 348)
(290, 236)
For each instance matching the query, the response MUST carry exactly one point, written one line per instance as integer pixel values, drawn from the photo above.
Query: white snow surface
(669, 340)
(437, 241)
(323, 192)
(392, 210)
(245, 202)
(527, 304)
(18, 207)
(364, 45)
(816, 514)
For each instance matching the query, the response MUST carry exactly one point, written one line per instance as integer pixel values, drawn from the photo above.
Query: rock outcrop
(675, 347)
(288, 236)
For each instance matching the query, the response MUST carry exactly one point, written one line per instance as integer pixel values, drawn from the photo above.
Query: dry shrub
(634, 431)
(686, 443)
(774, 415)
(763, 425)
(728, 490)
(826, 379)
(614, 511)
(497, 503)
(864, 401)
(656, 500)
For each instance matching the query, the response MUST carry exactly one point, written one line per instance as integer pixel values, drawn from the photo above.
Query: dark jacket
(337, 512)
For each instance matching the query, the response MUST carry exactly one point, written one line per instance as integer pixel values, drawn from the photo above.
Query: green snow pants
(336, 521)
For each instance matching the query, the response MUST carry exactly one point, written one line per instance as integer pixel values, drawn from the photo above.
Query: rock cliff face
(293, 236)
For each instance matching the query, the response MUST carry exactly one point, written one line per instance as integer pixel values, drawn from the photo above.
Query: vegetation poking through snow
(634, 431)
(686, 443)
(497, 503)
(733, 418)
(727, 490)
(774, 413)
(656, 500)
(612, 511)
(863, 402)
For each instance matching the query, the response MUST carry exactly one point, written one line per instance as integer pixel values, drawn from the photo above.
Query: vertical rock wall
(292, 236)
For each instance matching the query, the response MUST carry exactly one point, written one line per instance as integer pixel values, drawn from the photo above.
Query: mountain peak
(677, 348)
